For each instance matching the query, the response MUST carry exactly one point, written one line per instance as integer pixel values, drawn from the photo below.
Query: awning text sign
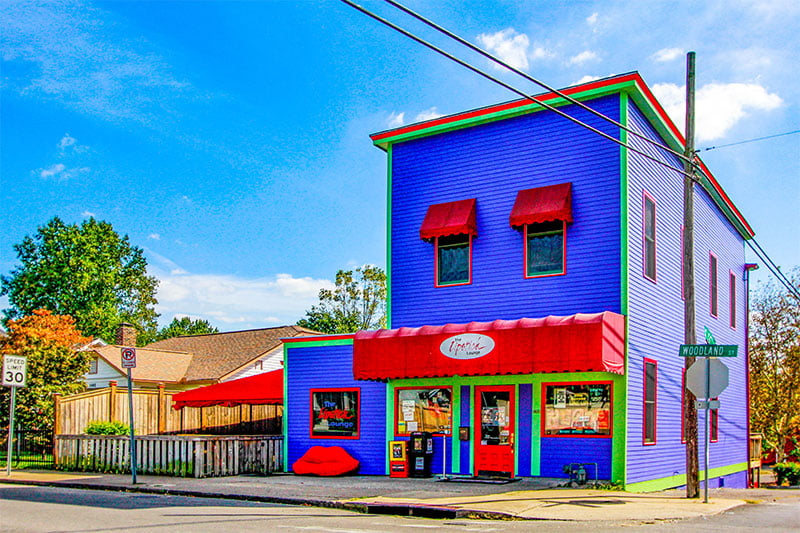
(708, 350)
(467, 346)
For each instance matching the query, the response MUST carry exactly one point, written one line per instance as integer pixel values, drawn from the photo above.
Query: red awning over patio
(261, 389)
(576, 343)
(450, 218)
(542, 204)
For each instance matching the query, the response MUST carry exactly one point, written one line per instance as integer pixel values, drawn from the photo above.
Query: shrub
(787, 472)
(99, 427)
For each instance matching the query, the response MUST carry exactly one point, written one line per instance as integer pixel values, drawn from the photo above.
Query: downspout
(747, 268)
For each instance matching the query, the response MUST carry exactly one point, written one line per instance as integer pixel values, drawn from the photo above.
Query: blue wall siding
(332, 367)
(655, 315)
(558, 451)
(491, 162)
(524, 430)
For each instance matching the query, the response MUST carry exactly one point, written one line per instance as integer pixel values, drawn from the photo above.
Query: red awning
(543, 204)
(261, 389)
(577, 343)
(450, 218)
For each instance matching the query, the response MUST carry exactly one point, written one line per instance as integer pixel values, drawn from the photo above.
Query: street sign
(15, 371)
(708, 350)
(709, 336)
(129, 358)
(717, 379)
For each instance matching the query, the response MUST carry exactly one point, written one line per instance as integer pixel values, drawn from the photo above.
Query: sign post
(15, 374)
(129, 361)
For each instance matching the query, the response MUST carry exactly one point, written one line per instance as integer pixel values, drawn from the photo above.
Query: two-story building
(536, 301)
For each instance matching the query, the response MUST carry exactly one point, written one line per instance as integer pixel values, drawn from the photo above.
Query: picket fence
(175, 455)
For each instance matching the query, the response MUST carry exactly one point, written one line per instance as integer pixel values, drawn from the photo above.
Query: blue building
(536, 301)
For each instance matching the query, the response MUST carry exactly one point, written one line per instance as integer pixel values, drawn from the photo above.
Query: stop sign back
(696, 378)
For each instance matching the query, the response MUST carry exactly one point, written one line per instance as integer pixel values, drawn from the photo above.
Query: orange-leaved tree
(49, 343)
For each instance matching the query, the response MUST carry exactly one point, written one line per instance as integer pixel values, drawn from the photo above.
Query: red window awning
(542, 204)
(576, 343)
(450, 218)
(261, 389)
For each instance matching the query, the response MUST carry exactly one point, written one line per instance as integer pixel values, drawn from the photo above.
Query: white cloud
(585, 79)
(87, 213)
(154, 236)
(583, 57)
(52, 171)
(667, 54)
(509, 46)
(428, 114)
(396, 120)
(66, 141)
(719, 106)
(591, 20)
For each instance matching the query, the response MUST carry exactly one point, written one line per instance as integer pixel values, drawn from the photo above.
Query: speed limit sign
(129, 358)
(15, 371)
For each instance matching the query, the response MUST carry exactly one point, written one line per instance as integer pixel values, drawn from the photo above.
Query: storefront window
(428, 409)
(334, 413)
(577, 409)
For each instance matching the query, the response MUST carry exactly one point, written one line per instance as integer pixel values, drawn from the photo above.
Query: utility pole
(690, 325)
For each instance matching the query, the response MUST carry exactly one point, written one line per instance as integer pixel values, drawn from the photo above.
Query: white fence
(174, 455)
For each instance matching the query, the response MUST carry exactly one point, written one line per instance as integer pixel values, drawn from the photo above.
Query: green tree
(357, 302)
(48, 341)
(181, 326)
(775, 364)
(86, 271)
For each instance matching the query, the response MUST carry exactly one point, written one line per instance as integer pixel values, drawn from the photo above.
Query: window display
(423, 409)
(577, 409)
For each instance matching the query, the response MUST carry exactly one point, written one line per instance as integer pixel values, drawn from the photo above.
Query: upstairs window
(649, 252)
(712, 278)
(650, 401)
(453, 260)
(732, 300)
(451, 226)
(544, 249)
(714, 423)
(93, 366)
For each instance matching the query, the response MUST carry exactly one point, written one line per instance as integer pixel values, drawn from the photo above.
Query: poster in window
(424, 409)
(334, 413)
(560, 401)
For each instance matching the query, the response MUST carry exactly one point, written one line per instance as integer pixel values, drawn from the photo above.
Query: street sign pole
(133, 439)
(708, 404)
(10, 429)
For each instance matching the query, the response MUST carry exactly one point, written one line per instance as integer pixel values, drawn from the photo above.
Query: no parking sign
(129, 358)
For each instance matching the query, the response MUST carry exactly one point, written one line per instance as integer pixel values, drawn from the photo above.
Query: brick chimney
(126, 334)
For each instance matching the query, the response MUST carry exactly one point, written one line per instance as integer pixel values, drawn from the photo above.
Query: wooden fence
(154, 415)
(174, 455)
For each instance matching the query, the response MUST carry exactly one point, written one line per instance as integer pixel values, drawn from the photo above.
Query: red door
(494, 431)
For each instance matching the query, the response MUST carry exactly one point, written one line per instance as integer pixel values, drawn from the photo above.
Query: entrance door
(494, 431)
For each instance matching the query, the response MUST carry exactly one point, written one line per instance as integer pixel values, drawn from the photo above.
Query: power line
(507, 86)
(747, 141)
(528, 77)
(751, 242)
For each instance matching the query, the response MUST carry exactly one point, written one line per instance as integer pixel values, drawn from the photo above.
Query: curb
(416, 510)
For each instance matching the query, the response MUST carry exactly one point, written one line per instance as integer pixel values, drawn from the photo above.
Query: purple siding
(332, 367)
(491, 162)
(656, 331)
(525, 406)
(559, 451)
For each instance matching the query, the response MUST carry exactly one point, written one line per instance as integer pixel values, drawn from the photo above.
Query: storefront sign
(334, 413)
(467, 346)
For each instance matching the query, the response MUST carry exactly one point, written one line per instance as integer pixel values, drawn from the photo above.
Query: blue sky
(230, 140)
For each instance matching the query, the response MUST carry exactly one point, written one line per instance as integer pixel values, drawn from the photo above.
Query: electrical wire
(530, 78)
(510, 87)
(751, 242)
(744, 142)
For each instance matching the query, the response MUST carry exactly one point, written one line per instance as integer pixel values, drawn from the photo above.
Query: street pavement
(525, 499)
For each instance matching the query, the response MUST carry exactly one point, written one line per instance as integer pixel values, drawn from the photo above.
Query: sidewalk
(524, 499)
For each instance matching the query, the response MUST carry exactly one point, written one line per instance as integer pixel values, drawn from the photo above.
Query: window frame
(563, 272)
(425, 387)
(713, 285)
(543, 424)
(645, 197)
(94, 365)
(436, 283)
(713, 424)
(683, 402)
(311, 413)
(732, 299)
(683, 289)
(645, 442)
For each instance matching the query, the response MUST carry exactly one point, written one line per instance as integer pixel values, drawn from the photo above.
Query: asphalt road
(49, 509)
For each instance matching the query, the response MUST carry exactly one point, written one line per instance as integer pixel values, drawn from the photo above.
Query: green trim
(536, 431)
(389, 422)
(516, 430)
(455, 443)
(619, 448)
(314, 343)
(389, 239)
(677, 481)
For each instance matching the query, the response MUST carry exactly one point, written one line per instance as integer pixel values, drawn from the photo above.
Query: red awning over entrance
(450, 218)
(542, 204)
(261, 389)
(577, 343)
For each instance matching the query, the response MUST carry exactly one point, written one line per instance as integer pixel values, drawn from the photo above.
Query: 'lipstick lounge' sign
(467, 346)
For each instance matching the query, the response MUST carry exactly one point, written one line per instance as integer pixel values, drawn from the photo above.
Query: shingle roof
(215, 355)
(151, 365)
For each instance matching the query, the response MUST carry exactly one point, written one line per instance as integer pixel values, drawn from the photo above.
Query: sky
(230, 140)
